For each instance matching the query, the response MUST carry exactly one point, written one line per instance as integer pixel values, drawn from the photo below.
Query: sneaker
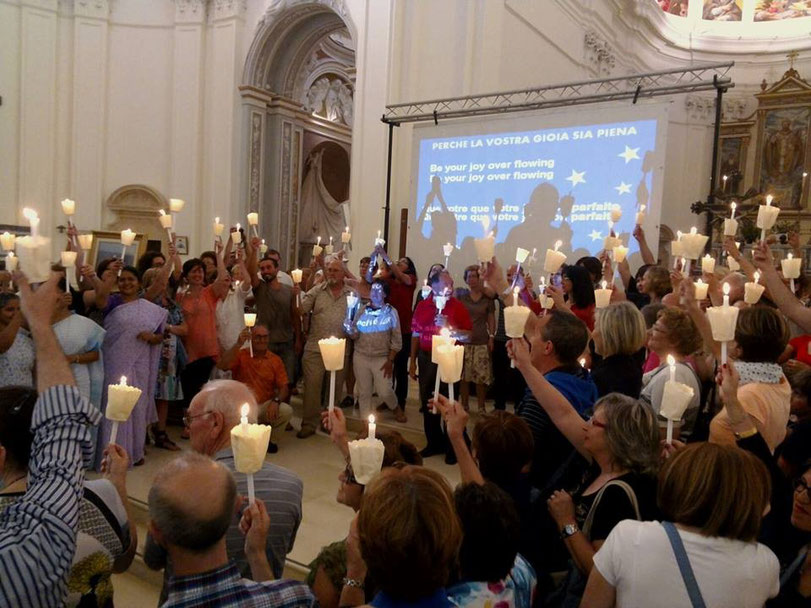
(305, 432)
(272, 448)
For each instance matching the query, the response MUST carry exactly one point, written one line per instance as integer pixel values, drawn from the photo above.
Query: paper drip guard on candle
(752, 290)
(620, 253)
(437, 340)
(68, 259)
(366, 458)
(692, 244)
(250, 321)
(121, 399)
(86, 241)
(34, 254)
(485, 248)
(676, 397)
(602, 297)
(515, 319)
(791, 268)
(766, 216)
(249, 443)
(7, 240)
(317, 248)
(451, 360)
(554, 259)
(346, 236)
(176, 205)
(708, 264)
(701, 289)
(332, 353)
(640, 215)
(723, 320)
(11, 261)
(616, 213)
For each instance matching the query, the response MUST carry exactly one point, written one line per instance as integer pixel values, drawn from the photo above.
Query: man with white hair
(191, 505)
(327, 303)
(213, 412)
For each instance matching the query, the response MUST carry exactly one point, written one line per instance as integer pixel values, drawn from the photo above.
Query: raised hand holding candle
(602, 297)
(68, 259)
(701, 289)
(166, 222)
(515, 319)
(554, 259)
(332, 353)
(249, 443)
(346, 236)
(640, 215)
(121, 399)
(791, 268)
(752, 290)
(722, 322)
(176, 205)
(7, 241)
(766, 216)
(708, 264)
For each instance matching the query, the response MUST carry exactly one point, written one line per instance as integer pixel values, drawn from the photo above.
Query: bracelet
(746, 434)
(351, 582)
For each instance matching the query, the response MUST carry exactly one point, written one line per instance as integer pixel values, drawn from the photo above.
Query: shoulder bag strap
(684, 565)
(590, 516)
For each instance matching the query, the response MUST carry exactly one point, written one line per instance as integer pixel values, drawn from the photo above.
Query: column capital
(190, 11)
(220, 10)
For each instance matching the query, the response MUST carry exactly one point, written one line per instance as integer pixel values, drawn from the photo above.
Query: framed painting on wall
(108, 245)
(731, 167)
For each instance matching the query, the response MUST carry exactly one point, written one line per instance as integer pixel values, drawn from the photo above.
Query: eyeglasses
(594, 422)
(349, 475)
(187, 419)
(800, 487)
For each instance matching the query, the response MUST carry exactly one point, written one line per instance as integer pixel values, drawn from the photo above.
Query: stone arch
(136, 206)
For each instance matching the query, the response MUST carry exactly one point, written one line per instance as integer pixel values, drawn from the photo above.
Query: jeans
(287, 352)
(316, 383)
(432, 423)
(193, 377)
(401, 371)
(509, 384)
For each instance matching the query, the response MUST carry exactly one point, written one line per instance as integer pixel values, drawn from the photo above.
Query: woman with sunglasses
(620, 446)
(328, 569)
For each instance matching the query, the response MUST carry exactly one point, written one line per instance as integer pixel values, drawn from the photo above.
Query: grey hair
(631, 432)
(179, 527)
(227, 397)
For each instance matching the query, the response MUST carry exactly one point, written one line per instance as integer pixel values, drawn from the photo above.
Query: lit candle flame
(757, 276)
(671, 360)
(699, 282)
(244, 410)
(162, 212)
(790, 255)
(123, 381)
(217, 220)
(693, 230)
(318, 242)
(515, 296)
(679, 234)
(371, 419)
(769, 199)
(558, 244)
(726, 289)
(734, 206)
(642, 208)
(582, 362)
(30, 214)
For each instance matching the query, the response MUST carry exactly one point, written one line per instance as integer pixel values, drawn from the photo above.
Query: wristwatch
(569, 530)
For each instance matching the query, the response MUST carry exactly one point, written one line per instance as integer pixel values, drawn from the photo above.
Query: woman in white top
(716, 496)
(231, 309)
(16, 347)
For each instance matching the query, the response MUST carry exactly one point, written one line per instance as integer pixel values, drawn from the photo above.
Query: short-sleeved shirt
(201, 320)
(401, 298)
(515, 591)
(424, 320)
(274, 308)
(638, 561)
(328, 313)
(479, 311)
(769, 404)
(263, 375)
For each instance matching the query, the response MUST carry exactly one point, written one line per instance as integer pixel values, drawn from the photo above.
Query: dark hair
(191, 264)
(384, 285)
(593, 265)
(267, 258)
(5, 298)
(434, 278)
(207, 254)
(761, 334)
(568, 334)
(273, 252)
(132, 270)
(721, 490)
(410, 268)
(650, 312)
(503, 445)
(16, 408)
(470, 269)
(801, 383)
(582, 294)
(398, 449)
(365, 260)
(145, 261)
(491, 532)
(642, 270)
(434, 269)
(102, 265)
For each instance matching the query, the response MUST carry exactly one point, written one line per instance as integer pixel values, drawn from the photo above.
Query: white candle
(218, 227)
(263, 248)
(127, 237)
(620, 253)
(236, 235)
(701, 289)
(437, 340)
(11, 262)
(317, 248)
(676, 398)
(554, 259)
(85, 241)
(33, 220)
(752, 290)
(379, 240)
(515, 319)
(249, 443)
(68, 207)
(671, 363)
(640, 216)
(602, 297)
(7, 241)
(372, 426)
(250, 319)
(176, 205)
(426, 289)
(447, 249)
(791, 268)
(296, 275)
(766, 217)
(166, 222)
(351, 302)
(253, 222)
(692, 244)
(521, 255)
(346, 236)
(485, 248)
(332, 353)
(34, 254)
(708, 264)
(440, 301)
(722, 322)
(616, 213)
(451, 359)
(121, 399)
(68, 259)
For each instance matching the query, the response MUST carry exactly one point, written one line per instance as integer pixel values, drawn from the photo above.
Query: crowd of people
(574, 496)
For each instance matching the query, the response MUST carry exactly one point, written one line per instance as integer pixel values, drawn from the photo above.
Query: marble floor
(315, 460)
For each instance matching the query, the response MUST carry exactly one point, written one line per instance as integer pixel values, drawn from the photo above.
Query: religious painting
(108, 245)
(722, 10)
(779, 10)
(182, 245)
(674, 7)
(731, 163)
(783, 140)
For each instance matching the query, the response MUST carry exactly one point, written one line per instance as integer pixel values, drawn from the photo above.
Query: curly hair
(657, 281)
(682, 332)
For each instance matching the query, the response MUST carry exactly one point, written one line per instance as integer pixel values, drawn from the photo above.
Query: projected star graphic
(531, 188)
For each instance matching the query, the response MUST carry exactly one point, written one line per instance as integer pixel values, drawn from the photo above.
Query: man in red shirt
(426, 323)
(264, 374)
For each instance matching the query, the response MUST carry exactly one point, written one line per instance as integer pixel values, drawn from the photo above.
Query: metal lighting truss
(707, 77)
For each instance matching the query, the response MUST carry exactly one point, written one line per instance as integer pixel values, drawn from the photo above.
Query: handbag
(685, 568)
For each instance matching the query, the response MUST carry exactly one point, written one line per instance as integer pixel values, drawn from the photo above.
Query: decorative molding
(190, 11)
(255, 170)
(93, 9)
(219, 10)
(135, 206)
(278, 6)
(599, 53)
(330, 98)
(289, 209)
(45, 5)
(699, 107)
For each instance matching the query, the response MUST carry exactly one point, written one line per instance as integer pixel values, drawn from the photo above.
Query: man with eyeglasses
(213, 412)
(264, 373)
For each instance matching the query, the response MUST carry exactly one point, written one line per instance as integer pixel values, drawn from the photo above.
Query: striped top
(38, 532)
(223, 587)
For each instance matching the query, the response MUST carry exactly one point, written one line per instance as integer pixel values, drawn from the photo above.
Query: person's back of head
(622, 329)
(503, 446)
(593, 265)
(650, 312)
(657, 281)
(761, 334)
(721, 490)
(397, 448)
(191, 504)
(491, 532)
(226, 397)
(409, 532)
(567, 333)
(16, 410)
(631, 433)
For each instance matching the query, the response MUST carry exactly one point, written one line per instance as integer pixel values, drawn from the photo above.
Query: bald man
(191, 505)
